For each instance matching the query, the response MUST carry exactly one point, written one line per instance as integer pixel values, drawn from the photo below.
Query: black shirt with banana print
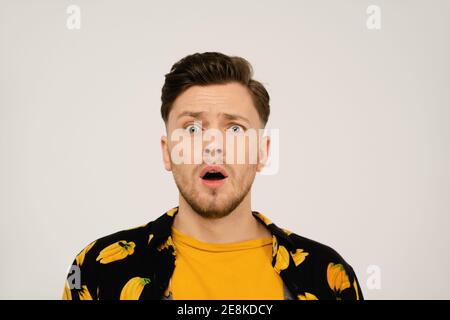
(138, 264)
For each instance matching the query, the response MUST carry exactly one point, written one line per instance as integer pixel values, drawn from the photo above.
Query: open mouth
(213, 176)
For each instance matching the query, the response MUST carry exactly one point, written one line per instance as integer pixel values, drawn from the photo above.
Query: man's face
(200, 114)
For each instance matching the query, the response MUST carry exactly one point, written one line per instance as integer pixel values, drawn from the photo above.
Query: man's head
(205, 95)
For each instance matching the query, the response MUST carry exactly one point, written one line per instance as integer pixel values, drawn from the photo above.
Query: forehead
(215, 99)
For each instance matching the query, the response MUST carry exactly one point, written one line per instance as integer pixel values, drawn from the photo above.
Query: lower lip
(213, 183)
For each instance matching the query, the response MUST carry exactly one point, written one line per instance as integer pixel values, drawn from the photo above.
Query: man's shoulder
(316, 250)
(300, 246)
(126, 242)
(135, 234)
(320, 271)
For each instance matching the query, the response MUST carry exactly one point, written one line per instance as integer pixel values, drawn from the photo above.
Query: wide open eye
(236, 129)
(194, 128)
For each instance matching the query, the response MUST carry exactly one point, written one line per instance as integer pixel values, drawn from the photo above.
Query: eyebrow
(234, 117)
(199, 114)
(190, 114)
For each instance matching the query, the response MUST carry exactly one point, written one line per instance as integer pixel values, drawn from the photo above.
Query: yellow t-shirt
(239, 270)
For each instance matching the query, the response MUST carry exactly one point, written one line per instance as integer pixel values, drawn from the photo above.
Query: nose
(213, 154)
(212, 150)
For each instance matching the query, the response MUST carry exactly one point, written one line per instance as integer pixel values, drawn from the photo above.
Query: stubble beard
(211, 209)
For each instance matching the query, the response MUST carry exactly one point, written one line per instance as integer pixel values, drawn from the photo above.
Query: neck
(239, 225)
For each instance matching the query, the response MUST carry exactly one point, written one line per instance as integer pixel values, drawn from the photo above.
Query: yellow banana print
(80, 257)
(282, 259)
(307, 296)
(84, 293)
(356, 289)
(288, 232)
(299, 256)
(337, 277)
(167, 244)
(67, 294)
(172, 211)
(150, 237)
(133, 288)
(117, 251)
(263, 218)
(274, 246)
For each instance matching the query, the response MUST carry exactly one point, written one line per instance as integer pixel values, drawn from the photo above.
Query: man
(212, 245)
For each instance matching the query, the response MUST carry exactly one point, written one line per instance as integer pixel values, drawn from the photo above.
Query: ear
(263, 153)
(166, 153)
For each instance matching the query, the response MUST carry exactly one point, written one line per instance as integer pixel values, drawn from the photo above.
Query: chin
(212, 209)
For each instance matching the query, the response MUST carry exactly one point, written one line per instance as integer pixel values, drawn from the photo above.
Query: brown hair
(212, 68)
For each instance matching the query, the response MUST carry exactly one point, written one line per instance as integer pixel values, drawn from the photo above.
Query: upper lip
(213, 168)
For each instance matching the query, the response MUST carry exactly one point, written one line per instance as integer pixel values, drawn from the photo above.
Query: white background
(363, 118)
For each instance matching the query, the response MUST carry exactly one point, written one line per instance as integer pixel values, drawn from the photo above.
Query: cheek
(186, 172)
(242, 150)
(243, 173)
